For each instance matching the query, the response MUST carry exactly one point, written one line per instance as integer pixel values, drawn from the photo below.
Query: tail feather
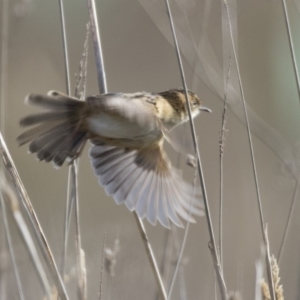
(59, 133)
(49, 150)
(69, 148)
(42, 117)
(31, 134)
(45, 137)
(53, 102)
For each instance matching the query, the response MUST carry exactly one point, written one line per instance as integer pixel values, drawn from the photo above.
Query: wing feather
(151, 211)
(136, 191)
(170, 206)
(161, 206)
(144, 180)
(146, 195)
(48, 151)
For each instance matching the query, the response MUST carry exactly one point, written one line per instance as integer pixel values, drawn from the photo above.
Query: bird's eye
(194, 103)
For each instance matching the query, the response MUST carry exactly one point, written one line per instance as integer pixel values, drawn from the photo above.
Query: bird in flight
(127, 132)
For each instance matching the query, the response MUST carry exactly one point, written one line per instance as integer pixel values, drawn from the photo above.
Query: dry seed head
(278, 288)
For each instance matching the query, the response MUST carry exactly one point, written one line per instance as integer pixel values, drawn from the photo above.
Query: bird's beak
(205, 109)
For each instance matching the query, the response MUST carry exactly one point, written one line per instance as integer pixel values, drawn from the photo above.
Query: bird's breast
(118, 127)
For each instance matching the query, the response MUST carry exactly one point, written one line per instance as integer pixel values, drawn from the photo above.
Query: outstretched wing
(146, 182)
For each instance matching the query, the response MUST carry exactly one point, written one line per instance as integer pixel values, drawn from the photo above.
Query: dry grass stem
(183, 262)
(68, 90)
(102, 269)
(10, 198)
(247, 119)
(167, 254)
(180, 251)
(80, 85)
(291, 43)
(222, 286)
(4, 62)
(269, 265)
(5, 185)
(251, 152)
(38, 231)
(81, 271)
(218, 272)
(151, 257)
(223, 134)
(276, 279)
(80, 88)
(97, 46)
(103, 89)
(65, 46)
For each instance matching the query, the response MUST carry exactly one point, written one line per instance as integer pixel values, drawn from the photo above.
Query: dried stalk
(291, 43)
(252, 153)
(72, 176)
(4, 62)
(102, 269)
(9, 242)
(151, 255)
(102, 90)
(222, 145)
(37, 229)
(97, 46)
(9, 196)
(65, 46)
(213, 247)
(68, 90)
(180, 252)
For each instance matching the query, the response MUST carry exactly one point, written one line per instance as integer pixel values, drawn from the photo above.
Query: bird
(127, 133)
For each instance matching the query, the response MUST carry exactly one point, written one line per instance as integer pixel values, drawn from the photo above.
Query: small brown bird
(127, 132)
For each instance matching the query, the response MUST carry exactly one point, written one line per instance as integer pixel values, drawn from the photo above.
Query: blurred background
(139, 56)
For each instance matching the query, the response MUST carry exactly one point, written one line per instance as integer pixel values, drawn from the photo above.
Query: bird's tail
(57, 134)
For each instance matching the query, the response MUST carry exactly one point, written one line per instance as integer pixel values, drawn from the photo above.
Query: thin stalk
(68, 90)
(3, 273)
(65, 46)
(80, 255)
(152, 260)
(69, 205)
(268, 258)
(181, 279)
(291, 43)
(180, 252)
(167, 257)
(37, 229)
(288, 223)
(270, 279)
(222, 287)
(102, 269)
(72, 195)
(97, 46)
(9, 196)
(222, 145)
(80, 262)
(11, 249)
(103, 90)
(4, 61)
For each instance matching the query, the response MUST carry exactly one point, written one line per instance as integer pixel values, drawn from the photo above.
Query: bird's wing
(146, 182)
